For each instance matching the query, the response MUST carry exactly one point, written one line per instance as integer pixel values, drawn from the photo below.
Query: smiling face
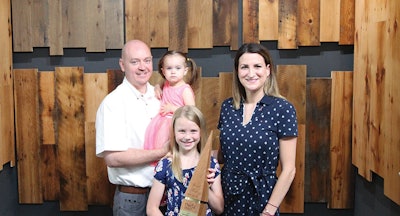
(187, 134)
(253, 72)
(174, 69)
(137, 63)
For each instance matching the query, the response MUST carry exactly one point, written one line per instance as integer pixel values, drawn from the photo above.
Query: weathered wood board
(342, 176)
(27, 135)
(71, 138)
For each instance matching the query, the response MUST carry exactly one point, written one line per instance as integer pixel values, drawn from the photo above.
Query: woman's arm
(155, 196)
(287, 157)
(215, 194)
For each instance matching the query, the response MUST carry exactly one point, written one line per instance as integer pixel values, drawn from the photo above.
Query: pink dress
(159, 129)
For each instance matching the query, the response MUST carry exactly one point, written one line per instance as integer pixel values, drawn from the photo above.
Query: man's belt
(133, 189)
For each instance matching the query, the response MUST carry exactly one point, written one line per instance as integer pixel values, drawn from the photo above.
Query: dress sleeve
(161, 169)
(288, 121)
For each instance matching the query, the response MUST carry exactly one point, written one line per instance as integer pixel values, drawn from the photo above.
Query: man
(121, 123)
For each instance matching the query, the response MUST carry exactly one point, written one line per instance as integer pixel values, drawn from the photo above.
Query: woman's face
(252, 72)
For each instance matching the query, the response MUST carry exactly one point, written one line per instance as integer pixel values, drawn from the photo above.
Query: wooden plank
(22, 25)
(50, 176)
(377, 84)
(71, 149)
(137, 20)
(341, 172)
(292, 85)
(294, 199)
(99, 189)
(114, 22)
(159, 23)
(95, 26)
(74, 23)
(95, 88)
(295, 92)
(199, 24)
(27, 135)
(308, 23)
(360, 97)
(347, 16)
(55, 28)
(40, 23)
(98, 186)
(268, 20)
(250, 21)
(47, 108)
(318, 114)
(209, 104)
(178, 20)
(234, 25)
(392, 100)
(114, 77)
(221, 23)
(329, 21)
(287, 28)
(7, 133)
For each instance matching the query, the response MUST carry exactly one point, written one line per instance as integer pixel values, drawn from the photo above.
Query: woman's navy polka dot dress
(251, 152)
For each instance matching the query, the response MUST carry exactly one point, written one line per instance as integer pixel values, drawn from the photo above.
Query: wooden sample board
(27, 135)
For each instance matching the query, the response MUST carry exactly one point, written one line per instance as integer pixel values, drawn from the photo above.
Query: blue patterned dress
(176, 189)
(251, 152)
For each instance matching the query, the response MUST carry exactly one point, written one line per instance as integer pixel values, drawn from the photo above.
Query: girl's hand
(211, 176)
(167, 108)
(158, 91)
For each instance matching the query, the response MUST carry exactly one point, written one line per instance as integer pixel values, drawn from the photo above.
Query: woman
(258, 128)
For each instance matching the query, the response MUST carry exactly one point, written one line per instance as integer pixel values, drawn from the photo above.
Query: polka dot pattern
(251, 152)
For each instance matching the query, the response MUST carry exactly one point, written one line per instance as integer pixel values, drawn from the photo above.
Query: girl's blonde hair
(193, 114)
(193, 72)
(270, 85)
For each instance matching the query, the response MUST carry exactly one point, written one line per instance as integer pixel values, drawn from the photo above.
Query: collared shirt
(121, 123)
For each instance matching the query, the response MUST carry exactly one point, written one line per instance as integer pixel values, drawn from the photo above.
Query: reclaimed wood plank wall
(63, 24)
(376, 116)
(98, 25)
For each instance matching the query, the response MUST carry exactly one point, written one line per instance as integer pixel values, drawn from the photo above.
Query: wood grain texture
(318, 114)
(74, 23)
(27, 135)
(114, 24)
(222, 22)
(47, 107)
(50, 177)
(234, 25)
(7, 131)
(308, 24)
(137, 20)
(40, 23)
(347, 25)
(71, 138)
(98, 186)
(341, 171)
(250, 21)
(360, 98)
(159, 23)
(55, 28)
(287, 28)
(22, 26)
(200, 16)
(392, 100)
(268, 20)
(178, 22)
(329, 21)
(95, 26)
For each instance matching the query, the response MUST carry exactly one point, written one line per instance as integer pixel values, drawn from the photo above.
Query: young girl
(174, 173)
(173, 66)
